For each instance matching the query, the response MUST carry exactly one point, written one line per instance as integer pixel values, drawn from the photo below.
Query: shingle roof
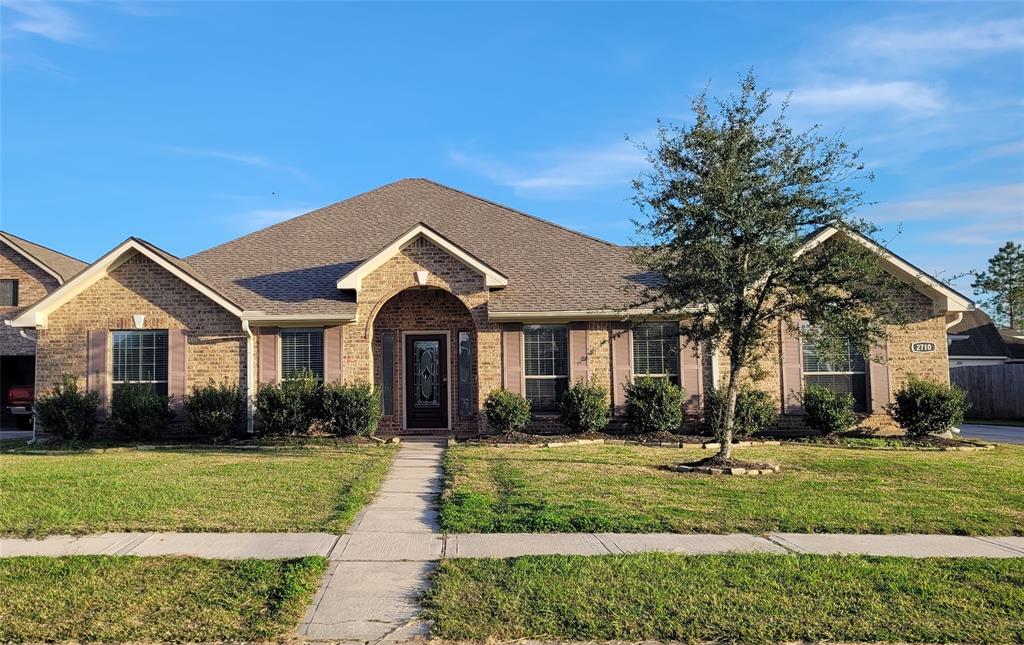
(1013, 339)
(982, 336)
(63, 265)
(293, 267)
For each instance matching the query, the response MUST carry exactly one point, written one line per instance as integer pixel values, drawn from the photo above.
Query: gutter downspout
(949, 325)
(250, 369)
(716, 375)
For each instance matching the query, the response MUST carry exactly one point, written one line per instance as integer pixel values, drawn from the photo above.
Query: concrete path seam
(778, 540)
(997, 542)
(616, 551)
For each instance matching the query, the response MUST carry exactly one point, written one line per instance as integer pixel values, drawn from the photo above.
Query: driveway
(996, 434)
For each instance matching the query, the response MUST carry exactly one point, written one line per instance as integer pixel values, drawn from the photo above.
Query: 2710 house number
(922, 347)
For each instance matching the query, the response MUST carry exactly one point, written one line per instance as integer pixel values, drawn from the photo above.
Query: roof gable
(493, 278)
(947, 298)
(58, 265)
(37, 314)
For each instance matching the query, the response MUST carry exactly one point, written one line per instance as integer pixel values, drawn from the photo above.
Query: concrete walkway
(379, 568)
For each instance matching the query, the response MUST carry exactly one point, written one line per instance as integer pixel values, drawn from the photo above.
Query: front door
(426, 381)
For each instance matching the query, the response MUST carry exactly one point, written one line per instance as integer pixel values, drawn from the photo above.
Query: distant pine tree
(1004, 285)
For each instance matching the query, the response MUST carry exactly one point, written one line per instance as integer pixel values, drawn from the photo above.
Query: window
(387, 386)
(546, 352)
(302, 349)
(465, 375)
(846, 374)
(140, 356)
(8, 293)
(656, 351)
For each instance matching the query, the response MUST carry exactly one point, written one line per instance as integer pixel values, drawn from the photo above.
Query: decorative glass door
(426, 381)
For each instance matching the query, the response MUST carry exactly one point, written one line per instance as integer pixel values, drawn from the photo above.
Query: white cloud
(936, 44)
(908, 96)
(240, 158)
(43, 19)
(999, 201)
(560, 171)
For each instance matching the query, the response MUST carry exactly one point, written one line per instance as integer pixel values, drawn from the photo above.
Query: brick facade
(33, 284)
(454, 298)
(216, 342)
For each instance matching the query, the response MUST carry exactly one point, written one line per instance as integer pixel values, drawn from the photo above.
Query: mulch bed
(526, 438)
(894, 441)
(716, 465)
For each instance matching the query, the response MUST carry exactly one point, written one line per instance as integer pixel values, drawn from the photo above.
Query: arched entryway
(425, 363)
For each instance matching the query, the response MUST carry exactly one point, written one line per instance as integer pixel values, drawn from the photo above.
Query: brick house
(435, 296)
(28, 272)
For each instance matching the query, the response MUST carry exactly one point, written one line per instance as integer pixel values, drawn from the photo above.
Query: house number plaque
(922, 347)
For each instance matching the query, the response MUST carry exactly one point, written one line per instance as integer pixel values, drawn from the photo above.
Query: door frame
(448, 347)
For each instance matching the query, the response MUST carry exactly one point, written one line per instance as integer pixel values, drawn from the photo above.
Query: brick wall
(33, 284)
(216, 343)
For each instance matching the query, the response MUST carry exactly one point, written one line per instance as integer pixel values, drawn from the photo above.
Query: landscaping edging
(709, 470)
(717, 446)
(618, 442)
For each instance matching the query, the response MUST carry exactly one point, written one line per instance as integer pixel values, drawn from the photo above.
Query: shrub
(584, 406)
(289, 407)
(351, 409)
(66, 412)
(216, 411)
(507, 412)
(923, 407)
(136, 412)
(755, 411)
(654, 405)
(827, 411)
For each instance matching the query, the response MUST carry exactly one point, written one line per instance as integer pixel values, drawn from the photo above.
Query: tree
(728, 205)
(1004, 282)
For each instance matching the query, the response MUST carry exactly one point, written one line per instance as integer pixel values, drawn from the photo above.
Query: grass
(188, 490)
(105, 598)
(820, 489)
(745, 598)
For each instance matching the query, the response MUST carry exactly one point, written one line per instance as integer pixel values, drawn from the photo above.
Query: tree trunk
(732, 391)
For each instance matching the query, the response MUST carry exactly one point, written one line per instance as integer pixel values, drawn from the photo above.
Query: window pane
(465, 375)
(387, 389)
(8, 293)
(302, 349)
(656, 350)
(545, 394)
(546, 349)
(140, 356)
(855, 384)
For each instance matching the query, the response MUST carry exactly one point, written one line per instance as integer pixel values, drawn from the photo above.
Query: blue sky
(190, 124)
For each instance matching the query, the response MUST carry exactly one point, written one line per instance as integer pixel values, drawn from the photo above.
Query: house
(975, 340)
(1013, 340)
(437, 297)
(28, 272)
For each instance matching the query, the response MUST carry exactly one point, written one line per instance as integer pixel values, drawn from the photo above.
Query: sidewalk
(365, 545)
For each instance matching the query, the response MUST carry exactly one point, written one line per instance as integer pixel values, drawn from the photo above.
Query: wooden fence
(995, 391)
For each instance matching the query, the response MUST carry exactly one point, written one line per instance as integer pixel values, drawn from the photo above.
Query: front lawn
(820, 489)
(188, 490)
(116, 599)
(746, 598)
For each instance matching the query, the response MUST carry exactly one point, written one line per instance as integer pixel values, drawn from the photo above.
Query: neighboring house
(28, 272)
(975, 340)
(435, 296)
(1013, 339)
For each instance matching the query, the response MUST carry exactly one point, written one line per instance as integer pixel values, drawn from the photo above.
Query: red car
(19, 404)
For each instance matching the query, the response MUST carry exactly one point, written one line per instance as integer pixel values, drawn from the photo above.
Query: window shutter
(622, 364)
(691, 376)
(97, 378)
(334, 352)
(268, 355)
(791, 369)
(878, 379)
(177, 379)
(579, 368)
(512, 358)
